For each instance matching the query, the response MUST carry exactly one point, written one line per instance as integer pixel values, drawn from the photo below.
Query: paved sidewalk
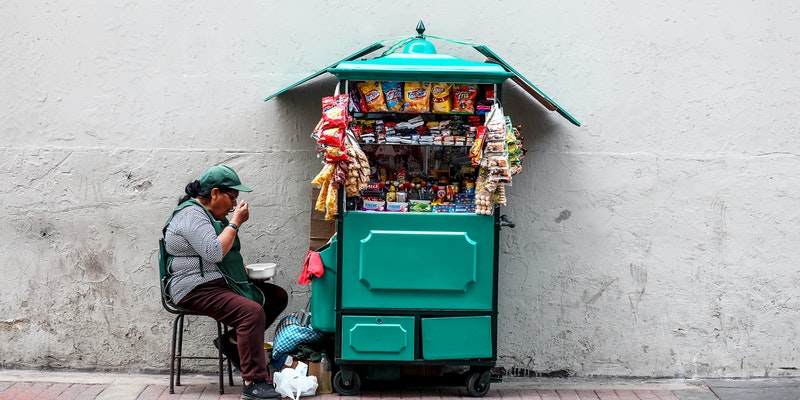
(19, 385)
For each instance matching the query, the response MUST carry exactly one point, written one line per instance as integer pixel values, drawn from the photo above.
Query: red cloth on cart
(312, 266)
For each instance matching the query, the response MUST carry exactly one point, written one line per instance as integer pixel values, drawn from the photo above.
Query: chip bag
(334, 110)
(442, 101)
(393, 94)
(417, 96)
(464, 97)
(373, 96)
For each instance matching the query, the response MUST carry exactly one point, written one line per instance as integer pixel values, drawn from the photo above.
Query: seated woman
(208, 274)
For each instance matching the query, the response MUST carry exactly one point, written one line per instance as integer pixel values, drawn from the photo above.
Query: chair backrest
(164, 277)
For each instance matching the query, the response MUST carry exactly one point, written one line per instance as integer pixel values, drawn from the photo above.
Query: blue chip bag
(393, 93)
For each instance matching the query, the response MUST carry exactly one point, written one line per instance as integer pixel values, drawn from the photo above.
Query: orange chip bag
(373, 96)
(464, 97)
(441, 101)
(417, 96)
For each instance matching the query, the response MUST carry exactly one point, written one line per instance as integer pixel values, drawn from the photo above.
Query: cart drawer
(457, 337)
(377, 338)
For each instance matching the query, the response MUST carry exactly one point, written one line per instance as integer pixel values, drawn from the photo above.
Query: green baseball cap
(222, 175)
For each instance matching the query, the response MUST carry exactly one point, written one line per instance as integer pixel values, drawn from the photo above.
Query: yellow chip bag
(373, 96)
(442, 102)
(417, 96)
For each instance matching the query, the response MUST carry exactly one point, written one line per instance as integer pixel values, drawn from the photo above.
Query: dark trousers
(249, 319)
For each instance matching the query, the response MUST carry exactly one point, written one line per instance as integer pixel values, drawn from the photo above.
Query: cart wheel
(350, 389)
(478, 383)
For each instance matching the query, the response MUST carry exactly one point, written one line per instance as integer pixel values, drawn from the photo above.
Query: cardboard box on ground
(320, 230)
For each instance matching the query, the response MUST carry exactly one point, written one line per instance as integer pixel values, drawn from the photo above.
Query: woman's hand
(241, 214)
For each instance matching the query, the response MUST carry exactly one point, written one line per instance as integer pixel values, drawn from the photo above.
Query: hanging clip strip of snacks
(494, 163)
(345, 162)
(330, 136)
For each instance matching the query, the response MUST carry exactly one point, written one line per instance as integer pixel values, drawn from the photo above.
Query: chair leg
(230, 368)
(176, 355)
(180, 350)
(221, 369)
(173, 355)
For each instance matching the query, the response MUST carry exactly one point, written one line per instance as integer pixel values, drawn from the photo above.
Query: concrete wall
(658, 239)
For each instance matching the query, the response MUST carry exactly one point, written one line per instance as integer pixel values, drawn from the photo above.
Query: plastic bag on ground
(293, 382)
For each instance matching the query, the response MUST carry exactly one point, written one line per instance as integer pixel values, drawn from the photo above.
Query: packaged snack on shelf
(393, 94)
(373, 205)
(441, 98)
(373, 96)
(464, 97)
(372, 198)
(464, 198)
(444, 208)
(419, 206)
(465, 208)
(357, 103)
(417, 97)
(396, 206)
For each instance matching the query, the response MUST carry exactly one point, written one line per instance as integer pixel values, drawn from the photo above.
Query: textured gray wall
(658, 239)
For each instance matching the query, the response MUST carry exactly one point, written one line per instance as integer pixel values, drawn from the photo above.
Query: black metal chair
(176, 354)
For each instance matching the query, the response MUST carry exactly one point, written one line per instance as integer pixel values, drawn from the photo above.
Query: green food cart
(413, 288)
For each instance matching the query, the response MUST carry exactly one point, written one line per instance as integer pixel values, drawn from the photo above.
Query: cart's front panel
(417, 261)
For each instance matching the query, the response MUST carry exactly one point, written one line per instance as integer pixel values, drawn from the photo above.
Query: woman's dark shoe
(230, 350)
(258, 390)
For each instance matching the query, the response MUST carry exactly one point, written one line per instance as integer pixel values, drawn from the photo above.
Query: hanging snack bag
(495, 155)
(373, 96)
(417, 97)
(516, 153)
(334, 110)
(441, 99)
(333, 136)
(335, 154)
(476, 151)
(393, 94)
(464, 99)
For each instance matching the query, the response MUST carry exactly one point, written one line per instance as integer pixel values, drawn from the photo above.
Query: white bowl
(261, 271)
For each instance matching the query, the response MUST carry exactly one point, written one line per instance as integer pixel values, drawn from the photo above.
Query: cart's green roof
(420, 62)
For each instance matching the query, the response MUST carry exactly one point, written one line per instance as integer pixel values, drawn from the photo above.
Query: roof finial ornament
(420, 30)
